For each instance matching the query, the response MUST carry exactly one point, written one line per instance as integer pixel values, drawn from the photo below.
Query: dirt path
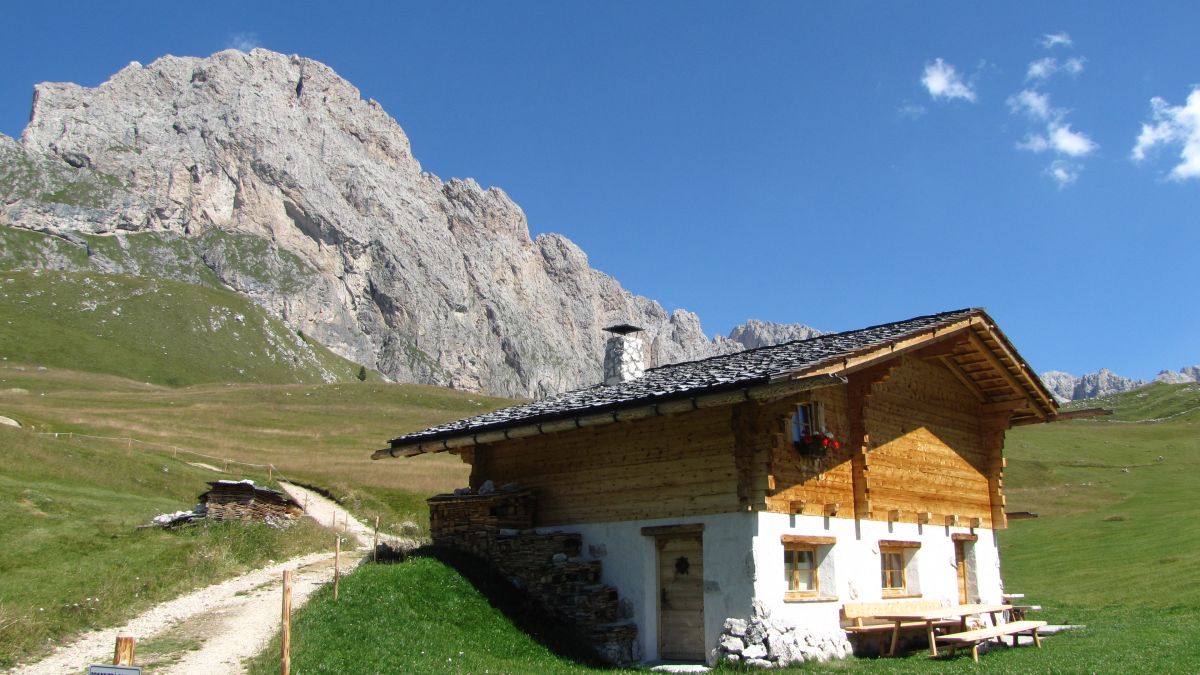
(212, 630)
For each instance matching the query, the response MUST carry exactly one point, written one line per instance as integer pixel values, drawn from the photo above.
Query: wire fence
(160, 449)
(1152, 420)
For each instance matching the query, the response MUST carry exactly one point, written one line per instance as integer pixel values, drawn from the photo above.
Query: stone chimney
(624, 354)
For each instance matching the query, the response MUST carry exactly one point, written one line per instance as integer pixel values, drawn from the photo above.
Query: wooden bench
(859, 618)
(974, 637)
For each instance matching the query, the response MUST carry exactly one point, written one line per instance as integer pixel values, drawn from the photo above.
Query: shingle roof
(679, 380)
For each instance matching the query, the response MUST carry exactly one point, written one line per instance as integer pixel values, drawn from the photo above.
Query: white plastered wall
(850, 570)
(743, 560)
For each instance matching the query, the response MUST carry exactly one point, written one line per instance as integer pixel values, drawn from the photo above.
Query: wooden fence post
(375, 542)
(337, 563)
(285, 663)
(123, 652)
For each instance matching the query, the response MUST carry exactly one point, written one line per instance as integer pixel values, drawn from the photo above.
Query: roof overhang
(762, 392)
(973, 348)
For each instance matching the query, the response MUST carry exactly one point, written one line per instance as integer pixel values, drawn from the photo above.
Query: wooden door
(960, 564)
(681, 597)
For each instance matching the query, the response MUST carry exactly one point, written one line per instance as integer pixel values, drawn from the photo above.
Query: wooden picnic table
(960, 612)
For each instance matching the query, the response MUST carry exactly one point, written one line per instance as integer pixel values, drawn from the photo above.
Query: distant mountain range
(1068, 387)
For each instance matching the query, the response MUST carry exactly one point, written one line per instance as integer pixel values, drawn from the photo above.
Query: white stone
(732, 644)
(754, 651)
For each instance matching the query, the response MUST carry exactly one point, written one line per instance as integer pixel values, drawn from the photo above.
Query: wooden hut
(794, 480)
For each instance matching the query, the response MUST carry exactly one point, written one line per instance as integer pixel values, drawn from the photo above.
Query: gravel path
(97, 646)
(326, 511)
(225, 623)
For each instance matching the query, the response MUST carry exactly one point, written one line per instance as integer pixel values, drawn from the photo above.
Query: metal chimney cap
(623, 329)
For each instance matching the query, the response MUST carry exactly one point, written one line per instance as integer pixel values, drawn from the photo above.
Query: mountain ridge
(1104, 382)
(239, 160)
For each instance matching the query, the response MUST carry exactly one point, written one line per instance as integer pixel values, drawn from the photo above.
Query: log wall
(659, 467)
(927, 452)
(917, 447)
(803, 484)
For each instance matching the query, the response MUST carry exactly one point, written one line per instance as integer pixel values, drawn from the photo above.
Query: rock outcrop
(1067, 387)
(271, 175)
(755, 333)
(1182, 376)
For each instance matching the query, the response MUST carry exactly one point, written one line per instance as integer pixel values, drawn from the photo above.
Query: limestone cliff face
(273, 174)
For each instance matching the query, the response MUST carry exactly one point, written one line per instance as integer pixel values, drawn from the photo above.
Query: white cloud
(1041, 69)
(1063, 172)
(911, 110)
(1044, 68)
(1067, 142)
(1174, 125)
(942, 81)
(1032, 103)
(243, 41)
(1051, 40)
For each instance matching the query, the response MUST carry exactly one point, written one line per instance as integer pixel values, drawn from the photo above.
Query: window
(802, 556)
(807, 421)
(800, 568)
(891, 564)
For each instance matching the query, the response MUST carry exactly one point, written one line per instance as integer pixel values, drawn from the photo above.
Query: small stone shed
(243, 500)
(784, 481)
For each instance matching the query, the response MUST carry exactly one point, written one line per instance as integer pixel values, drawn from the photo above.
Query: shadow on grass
(562, 639)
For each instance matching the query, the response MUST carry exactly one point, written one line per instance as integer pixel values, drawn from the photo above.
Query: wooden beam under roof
(962, 377)
(1006, 374)
(1006, 348)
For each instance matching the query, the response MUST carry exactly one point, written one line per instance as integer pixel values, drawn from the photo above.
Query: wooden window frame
(812, 544)
(901, 552)
(791, 573)
(814, 414)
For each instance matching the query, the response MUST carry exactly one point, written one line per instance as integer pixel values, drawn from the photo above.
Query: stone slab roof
(681, 380)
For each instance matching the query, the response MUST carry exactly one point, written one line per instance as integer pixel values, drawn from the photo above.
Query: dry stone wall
(497, 527)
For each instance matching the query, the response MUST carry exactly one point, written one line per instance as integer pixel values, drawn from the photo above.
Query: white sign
(114, 670)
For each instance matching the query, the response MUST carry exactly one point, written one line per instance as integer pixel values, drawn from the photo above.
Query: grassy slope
(73, 557)
(421, 616)
(157, 331)
(72, 505)
(317, 434)
(1117, 497)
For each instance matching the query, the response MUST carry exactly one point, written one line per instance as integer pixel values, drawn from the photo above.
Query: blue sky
(837, 164)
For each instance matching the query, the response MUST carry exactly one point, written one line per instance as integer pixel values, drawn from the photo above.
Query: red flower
(825, 442)
(836, 445)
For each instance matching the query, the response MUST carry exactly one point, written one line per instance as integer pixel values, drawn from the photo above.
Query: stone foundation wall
(497, 527)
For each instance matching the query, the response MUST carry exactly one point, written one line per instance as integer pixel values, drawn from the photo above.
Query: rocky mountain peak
(270, 174)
